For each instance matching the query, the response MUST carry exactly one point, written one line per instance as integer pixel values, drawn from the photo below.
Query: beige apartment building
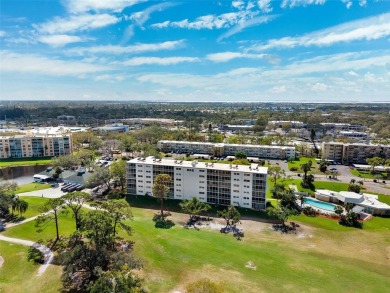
(24, 146)
(223, 149)
(353, 152)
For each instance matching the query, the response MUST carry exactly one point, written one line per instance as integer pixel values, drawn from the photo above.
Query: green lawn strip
(24, 162)
(172, 205)
(368, 175)
(28, 230)
(17, 275)
(174, 255)
(32, 187)
(34, 203)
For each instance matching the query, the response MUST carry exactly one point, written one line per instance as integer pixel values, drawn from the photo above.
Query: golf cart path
(45, 250)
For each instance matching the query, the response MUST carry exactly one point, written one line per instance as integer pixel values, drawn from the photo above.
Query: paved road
(45, 250)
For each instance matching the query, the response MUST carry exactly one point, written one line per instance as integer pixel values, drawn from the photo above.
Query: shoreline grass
(13, 162)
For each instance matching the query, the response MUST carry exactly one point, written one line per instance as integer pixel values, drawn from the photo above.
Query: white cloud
(60, 40)
(76, 23)
(238, 4)
(2, 34)
(319, 87)
(348, 3)
(81, 6)
(278, 89)
(264, 5)
(228, 56)
(362, 2)
(371, 28)
(158, 60)
(137, 48)
(210, 21)
(128, 34)
(352, 73)
(297, 3)
(35, 64)
(245, 24)
(143, 16)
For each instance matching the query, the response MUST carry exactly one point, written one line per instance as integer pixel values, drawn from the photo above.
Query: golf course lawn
(17, 275)
(31, 187)
(24, 162)
(34, 203)
(321, 257)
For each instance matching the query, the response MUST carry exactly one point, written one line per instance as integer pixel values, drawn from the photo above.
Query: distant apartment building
(221, 149)
(213, 183)
(287, 124)
(342, 126)
(24, 146)
(354, 135)
(115, 127)
(353, 152)
(66, 117)
(231, 127)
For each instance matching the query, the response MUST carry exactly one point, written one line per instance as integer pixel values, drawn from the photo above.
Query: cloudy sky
(195, 50)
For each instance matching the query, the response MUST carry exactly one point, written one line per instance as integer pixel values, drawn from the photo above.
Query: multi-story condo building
(213, 183)
(23, 146)
(353, 152)
(333, 151)
(221, 149)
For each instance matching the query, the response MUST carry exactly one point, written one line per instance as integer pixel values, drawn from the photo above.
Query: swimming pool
(321, 205)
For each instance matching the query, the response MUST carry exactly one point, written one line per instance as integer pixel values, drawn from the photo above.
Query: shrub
(375, 180)
(309, 211)
(294, 169)
(35, 255)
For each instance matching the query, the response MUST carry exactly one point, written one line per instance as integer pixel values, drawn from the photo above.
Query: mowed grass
(34, 203)
(368, 175)
(24, 162)
(17, 275)
(321, 257)
(302, 160)
(31, 187)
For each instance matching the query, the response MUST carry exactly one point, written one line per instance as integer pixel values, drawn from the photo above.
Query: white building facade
(223, 149)
(221, 184)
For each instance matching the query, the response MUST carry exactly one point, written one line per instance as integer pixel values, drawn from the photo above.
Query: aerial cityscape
(194, 146)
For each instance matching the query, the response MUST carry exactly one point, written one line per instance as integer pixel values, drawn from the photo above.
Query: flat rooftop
(253, 168)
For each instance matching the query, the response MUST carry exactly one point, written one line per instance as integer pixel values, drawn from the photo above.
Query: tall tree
(101, 176)
(120, 212)
(231, 215)
(161, 189)
(7, 195)
(75, 201)
(375, 161)
(52, 210)
(118, 173)
(276, 172)
(194, 207)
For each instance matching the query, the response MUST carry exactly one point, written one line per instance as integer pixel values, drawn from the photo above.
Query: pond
(20, 174)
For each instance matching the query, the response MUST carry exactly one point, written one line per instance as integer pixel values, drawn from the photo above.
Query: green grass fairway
(368, 175)
(34, 203)
(24, 162)
(303, 262)
(302, 160)
(32, 187)
(17, 275)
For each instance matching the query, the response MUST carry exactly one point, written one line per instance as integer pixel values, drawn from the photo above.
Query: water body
(20, 174)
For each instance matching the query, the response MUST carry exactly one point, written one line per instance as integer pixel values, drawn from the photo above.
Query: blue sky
(196, 50)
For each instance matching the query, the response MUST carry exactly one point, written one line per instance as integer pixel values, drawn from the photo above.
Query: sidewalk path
(45, 250)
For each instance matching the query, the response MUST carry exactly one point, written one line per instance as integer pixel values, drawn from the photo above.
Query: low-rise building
(222, 149)
(115, 127)
(368, 202)
(213, 183)
(353, 152)
(24, 146)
